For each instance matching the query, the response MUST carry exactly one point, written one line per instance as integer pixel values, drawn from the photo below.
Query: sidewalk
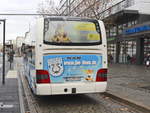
(131, 83)
(9, 96)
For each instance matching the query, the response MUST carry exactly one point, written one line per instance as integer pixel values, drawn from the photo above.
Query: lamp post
(3, 72)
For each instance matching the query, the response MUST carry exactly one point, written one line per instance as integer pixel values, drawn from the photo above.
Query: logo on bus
(55, 66)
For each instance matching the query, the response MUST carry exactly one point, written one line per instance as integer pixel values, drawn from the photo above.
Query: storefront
(136, 44)
(132, 46)
(146, 47)
(128, 35)
(127, 49)
(112, 49)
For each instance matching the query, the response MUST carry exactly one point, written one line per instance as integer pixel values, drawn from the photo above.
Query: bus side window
(31, 55)
(25, 52)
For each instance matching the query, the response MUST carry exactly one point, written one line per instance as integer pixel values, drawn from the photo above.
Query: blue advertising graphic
(70, 68)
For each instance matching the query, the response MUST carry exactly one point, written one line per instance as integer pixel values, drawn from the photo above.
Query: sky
(17, 25)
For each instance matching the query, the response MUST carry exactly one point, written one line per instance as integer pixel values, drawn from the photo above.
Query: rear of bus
(72, 57)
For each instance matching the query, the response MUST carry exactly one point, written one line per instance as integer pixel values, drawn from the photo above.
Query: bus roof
(69, 18)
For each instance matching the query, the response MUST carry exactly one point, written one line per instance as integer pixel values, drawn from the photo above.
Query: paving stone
(9, 94)
(127, 81)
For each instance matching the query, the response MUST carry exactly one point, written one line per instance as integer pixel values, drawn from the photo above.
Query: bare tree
(88, 8)
(94, 7)
(48, 7)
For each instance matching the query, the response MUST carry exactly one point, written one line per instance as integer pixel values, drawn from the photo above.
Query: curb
(129, 102)
(22, 109)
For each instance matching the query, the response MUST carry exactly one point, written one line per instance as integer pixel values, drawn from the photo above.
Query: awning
(121, 16)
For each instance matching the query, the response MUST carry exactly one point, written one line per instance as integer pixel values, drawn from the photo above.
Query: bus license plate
(73, 78)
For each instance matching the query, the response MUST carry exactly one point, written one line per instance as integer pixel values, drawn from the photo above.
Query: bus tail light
(101, 75)
(42, 76)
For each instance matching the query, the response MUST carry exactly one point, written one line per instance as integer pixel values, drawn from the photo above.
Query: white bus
(66, 55)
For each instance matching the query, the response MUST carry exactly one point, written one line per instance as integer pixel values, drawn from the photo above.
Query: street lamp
(3, 72)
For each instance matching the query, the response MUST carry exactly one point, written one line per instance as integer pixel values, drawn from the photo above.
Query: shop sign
(137, 29)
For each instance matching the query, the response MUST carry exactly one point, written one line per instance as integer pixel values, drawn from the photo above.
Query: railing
(115, 8)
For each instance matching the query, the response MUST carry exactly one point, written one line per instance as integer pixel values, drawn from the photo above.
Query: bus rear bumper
(70, 88)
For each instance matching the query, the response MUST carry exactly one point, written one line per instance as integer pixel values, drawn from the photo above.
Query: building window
(112, 52)
(113, 31)
(127, 48)
(146, 47)
(107, 33)
(120, 29)
(124, 26)
(129, 24)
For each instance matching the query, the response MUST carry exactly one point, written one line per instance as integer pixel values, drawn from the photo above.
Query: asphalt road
(85, 103)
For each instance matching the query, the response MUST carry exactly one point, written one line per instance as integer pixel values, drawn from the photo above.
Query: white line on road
(2, 106)
(12, 74)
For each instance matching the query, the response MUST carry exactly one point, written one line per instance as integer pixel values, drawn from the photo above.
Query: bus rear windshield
(66, 32)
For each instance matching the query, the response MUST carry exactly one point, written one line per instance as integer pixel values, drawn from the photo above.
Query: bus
(66, 55)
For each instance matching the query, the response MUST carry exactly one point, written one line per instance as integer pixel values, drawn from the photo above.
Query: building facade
(128, 30)
(127, 24)
(19, 41)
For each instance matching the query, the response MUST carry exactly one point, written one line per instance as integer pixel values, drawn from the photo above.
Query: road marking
(11, 74)
(3, 106)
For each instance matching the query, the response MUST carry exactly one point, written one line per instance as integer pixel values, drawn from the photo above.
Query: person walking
(128, 59)
(11, 57)
(111, 59)
(147, 62)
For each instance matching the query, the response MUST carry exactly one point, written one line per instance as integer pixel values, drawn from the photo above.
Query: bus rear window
(62, 32)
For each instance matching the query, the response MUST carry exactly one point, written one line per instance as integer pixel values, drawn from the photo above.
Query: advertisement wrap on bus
(70, 68)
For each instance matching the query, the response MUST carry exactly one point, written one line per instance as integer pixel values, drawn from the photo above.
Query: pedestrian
(22, 49)
(128, 59)
(111, 59)
(11, 56)
(147, 62)
(108, 58)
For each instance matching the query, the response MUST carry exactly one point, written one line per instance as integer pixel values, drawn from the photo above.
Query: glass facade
(146, 47)
(127, 49)
(112, 51)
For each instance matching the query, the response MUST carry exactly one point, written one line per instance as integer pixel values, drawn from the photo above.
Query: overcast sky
(17, 26)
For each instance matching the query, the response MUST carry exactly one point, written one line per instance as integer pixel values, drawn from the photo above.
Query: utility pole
(3, 72)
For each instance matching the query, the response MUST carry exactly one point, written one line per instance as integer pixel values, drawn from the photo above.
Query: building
(19, 41)
(128, 29)
(127, 24)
